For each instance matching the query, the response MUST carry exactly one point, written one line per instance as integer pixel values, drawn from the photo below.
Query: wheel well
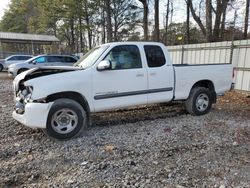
(70, 95)
(21, 69)
(209, 85)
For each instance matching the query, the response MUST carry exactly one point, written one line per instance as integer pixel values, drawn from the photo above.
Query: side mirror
(104, 65)
(33, 62)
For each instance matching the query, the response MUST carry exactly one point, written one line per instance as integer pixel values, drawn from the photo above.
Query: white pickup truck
(115, 75)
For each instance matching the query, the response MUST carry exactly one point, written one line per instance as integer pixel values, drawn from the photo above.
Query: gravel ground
(154, 146)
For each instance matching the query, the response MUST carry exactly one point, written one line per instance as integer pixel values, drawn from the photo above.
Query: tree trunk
(157, 30)
(197, 19)
(188, 23)
(108, 18)
(209, 34)
(72, 35)
(216, 31)
(88, 26)
(246, 19)
(103, 27)
(222, 30)
(115, 30)
(220, 10)
(80, 30)
(166, 26)
(145, 18)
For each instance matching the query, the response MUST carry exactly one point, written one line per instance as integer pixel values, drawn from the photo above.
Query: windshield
(90, 58)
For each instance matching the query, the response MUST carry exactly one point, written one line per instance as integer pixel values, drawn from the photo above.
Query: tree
(196, 35)
(188, 23)
(157, 31)
(125, 17)
(108, 18)
(209, 16)
(212, 34)
(145, 18)
(18, 17)
(246, 19)
(169, 13)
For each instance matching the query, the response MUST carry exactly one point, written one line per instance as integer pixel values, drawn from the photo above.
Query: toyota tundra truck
(59, 99)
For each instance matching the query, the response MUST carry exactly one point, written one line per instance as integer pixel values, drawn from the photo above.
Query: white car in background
(13, 59)
(40, 61)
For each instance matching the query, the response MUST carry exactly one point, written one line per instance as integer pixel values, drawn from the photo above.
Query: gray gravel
(155, 146)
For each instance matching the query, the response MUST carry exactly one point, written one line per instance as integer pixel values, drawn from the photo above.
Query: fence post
(231, 53)
(1, 49)
(182, 54)
(232, 43)
(32, 46)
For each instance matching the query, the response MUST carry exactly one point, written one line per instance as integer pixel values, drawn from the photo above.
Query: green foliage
(179, 29)
(19, 15)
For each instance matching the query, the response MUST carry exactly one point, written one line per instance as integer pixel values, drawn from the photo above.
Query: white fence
(237, 53)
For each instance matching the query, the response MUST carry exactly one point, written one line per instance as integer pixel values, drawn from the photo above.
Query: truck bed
(188, 74)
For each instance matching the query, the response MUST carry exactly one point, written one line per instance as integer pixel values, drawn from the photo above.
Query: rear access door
(160, 74)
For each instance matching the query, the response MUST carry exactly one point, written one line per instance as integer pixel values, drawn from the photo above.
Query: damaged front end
(23, 92)
(23, 97)
(30, 109)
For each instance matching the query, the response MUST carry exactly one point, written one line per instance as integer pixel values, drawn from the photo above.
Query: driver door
(124, 84)
(40, 61)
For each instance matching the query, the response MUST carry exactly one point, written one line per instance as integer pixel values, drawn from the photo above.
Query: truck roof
(133, 43)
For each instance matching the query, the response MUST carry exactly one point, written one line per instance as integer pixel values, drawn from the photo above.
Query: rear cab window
(155, 56)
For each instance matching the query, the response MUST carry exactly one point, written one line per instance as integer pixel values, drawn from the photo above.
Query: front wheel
(66, 119)
(1, 67)
(199, 101)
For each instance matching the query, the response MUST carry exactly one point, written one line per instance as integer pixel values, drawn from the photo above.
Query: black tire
(1, 67)
(21, 70)
(55, 127)
(199, 101)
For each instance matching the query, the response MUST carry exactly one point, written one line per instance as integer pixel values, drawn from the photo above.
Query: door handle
(153, 74)
(139, 75)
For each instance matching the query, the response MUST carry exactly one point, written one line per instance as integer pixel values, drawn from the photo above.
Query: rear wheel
(21, 70)
(199, 101)
(66, 119)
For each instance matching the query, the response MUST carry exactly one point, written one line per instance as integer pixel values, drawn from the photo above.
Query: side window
(155, 56)
(53, 59)
(125, 57)
(69, 60)
(14, 58)
(24, 57)
(40, 60)
(18, 57)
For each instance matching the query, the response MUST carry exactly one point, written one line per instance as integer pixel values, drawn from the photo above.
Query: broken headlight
(27, 94)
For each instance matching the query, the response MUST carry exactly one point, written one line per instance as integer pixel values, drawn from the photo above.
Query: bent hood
(41, 71)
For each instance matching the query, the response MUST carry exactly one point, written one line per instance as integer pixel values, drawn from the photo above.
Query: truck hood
(41, 71)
